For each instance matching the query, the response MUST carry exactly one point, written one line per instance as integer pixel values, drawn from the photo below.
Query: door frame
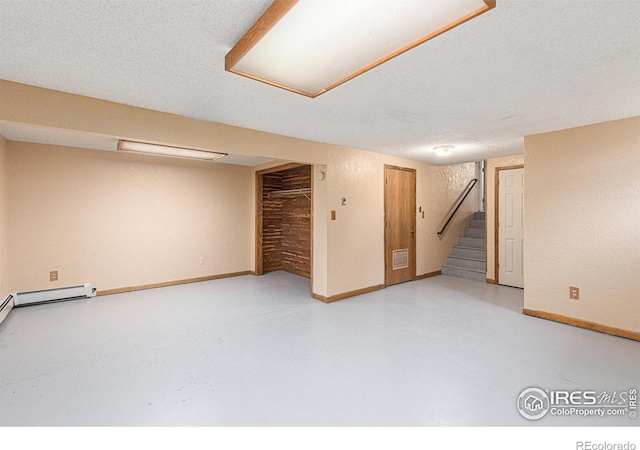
(259, 208)
(496, 217)
(415, 235)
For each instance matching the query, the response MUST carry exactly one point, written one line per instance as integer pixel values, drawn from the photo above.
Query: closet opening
(284, 205)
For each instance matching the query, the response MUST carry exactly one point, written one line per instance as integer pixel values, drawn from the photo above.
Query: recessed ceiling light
(310, 47)
(443, 150)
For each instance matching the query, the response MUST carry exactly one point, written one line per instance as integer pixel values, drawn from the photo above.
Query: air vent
(401, 259)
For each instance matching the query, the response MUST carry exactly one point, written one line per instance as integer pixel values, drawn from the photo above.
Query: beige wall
(490, 198)
(441, 191)
(356, 237)
(320, 222)
(4, 219)
(354, 242)
(119, 220)
(582, 223)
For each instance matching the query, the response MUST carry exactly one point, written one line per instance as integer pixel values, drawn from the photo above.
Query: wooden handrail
(458, 203)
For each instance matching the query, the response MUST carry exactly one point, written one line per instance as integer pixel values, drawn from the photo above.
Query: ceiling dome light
(443, 150)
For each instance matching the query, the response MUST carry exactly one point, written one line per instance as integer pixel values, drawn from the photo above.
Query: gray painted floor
(258, 351)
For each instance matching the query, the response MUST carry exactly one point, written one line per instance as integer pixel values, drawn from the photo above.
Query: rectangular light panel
(312, 46)
(164, 150)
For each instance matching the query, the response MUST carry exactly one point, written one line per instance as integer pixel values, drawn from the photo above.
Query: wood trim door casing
(415, 176)
(281, 168)
(313, 190)
(259, 212)
(496, 217)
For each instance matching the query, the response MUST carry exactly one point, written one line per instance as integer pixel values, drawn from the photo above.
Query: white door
(511, 227)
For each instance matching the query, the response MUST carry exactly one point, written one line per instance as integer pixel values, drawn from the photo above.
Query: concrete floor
(258, 351)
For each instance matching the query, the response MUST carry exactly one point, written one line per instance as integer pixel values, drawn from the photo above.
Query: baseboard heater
(54, 295)
(6, 306)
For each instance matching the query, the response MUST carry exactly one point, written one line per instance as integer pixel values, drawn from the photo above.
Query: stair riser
(467, 264)
(475, 233)
(479, 216)
(478, 224)
(468, 253)
(473, 242)
(461, 273)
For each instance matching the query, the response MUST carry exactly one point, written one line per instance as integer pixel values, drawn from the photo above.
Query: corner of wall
(489, 204)
(4, 218)
(581, 225)
(319, 226)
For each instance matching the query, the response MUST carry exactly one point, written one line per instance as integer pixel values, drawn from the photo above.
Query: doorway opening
(284, 205)
(509, 226)
(400, 224)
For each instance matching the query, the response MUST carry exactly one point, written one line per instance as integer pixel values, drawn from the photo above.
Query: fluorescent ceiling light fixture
(443, 150)
(312, 46)
(164, 150)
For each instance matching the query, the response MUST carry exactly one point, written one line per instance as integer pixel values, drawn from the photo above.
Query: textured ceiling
(555, 64)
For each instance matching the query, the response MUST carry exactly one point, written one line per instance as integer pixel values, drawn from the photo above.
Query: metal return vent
(401, 259)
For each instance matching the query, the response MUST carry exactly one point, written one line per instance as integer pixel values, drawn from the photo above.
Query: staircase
(469, 259)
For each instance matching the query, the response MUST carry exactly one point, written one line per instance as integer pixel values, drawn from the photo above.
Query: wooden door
(511, 227)
(400, 224)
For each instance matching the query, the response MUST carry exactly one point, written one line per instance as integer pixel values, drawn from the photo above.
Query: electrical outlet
(574, 292)
(53, 275)
(333, 215)
(202, 260)
(423, 214)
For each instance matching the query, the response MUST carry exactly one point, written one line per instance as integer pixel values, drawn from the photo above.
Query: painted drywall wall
(118, 220)
(354, 242)
(4, 219)
(490, 198)
(356, 237)
(319, 231)
(447, 184)
(582, 226)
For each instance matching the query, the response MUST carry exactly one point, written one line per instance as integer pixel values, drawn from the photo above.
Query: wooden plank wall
(271, 223)
(296, 223)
